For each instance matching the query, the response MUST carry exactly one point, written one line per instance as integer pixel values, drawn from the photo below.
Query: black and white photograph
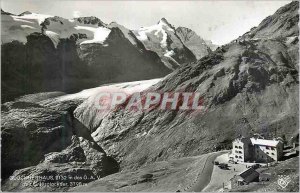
(149, 96)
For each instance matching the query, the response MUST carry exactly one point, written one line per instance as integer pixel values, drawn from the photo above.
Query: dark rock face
(38, 66)
(90, 20)
(25, 13)
(81, 162)
(193, 42)
(42, 141)
(248, 86)
(5, 13)
(120, 61)
(58, 62)
(28, 132)
(127, 33)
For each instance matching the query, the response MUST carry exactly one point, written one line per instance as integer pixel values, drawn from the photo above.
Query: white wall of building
(260, 150)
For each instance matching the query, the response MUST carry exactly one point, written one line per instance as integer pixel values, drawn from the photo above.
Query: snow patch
(100, 34)
(158, 29)
(19, 27)
(169, 53)
(15, 18)
(127, 87)
(40, 18)
(53, 36)
(290, 39)
(27, 26)
(16, 28)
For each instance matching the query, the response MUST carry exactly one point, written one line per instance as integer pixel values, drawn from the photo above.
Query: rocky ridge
(192, 41)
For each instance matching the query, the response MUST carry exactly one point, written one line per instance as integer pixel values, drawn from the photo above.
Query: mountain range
(50, 53)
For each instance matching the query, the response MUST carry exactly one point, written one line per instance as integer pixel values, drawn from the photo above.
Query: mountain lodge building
(256, 149)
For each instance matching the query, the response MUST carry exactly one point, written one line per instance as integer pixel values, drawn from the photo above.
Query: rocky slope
(193, 42)
(51, 140)
(81, 162)
(54, 143)
(279, 25)
(248, 86)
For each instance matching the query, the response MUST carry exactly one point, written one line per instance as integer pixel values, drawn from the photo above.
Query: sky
(218, 21)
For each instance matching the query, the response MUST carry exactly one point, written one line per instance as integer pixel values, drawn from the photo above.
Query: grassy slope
(168, 176)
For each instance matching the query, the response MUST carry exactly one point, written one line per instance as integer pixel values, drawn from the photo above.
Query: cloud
(76, 14)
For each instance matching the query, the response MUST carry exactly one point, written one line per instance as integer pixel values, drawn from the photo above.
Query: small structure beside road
(247, 176)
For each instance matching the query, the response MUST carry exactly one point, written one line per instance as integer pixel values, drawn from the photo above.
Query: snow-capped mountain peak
(158, 30)
(162, 39)
(87, 29)
(100, 34)
(164, 21)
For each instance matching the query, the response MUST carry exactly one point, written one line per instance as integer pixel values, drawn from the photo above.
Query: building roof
(243, 140)
(265, 142)
(249, 175)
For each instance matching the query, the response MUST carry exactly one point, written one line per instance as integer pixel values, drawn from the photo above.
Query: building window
(272, 153)
(268, 153)
(240, 147)
(236, 156)
(240, 157)
(272, 148)
(236, 146)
